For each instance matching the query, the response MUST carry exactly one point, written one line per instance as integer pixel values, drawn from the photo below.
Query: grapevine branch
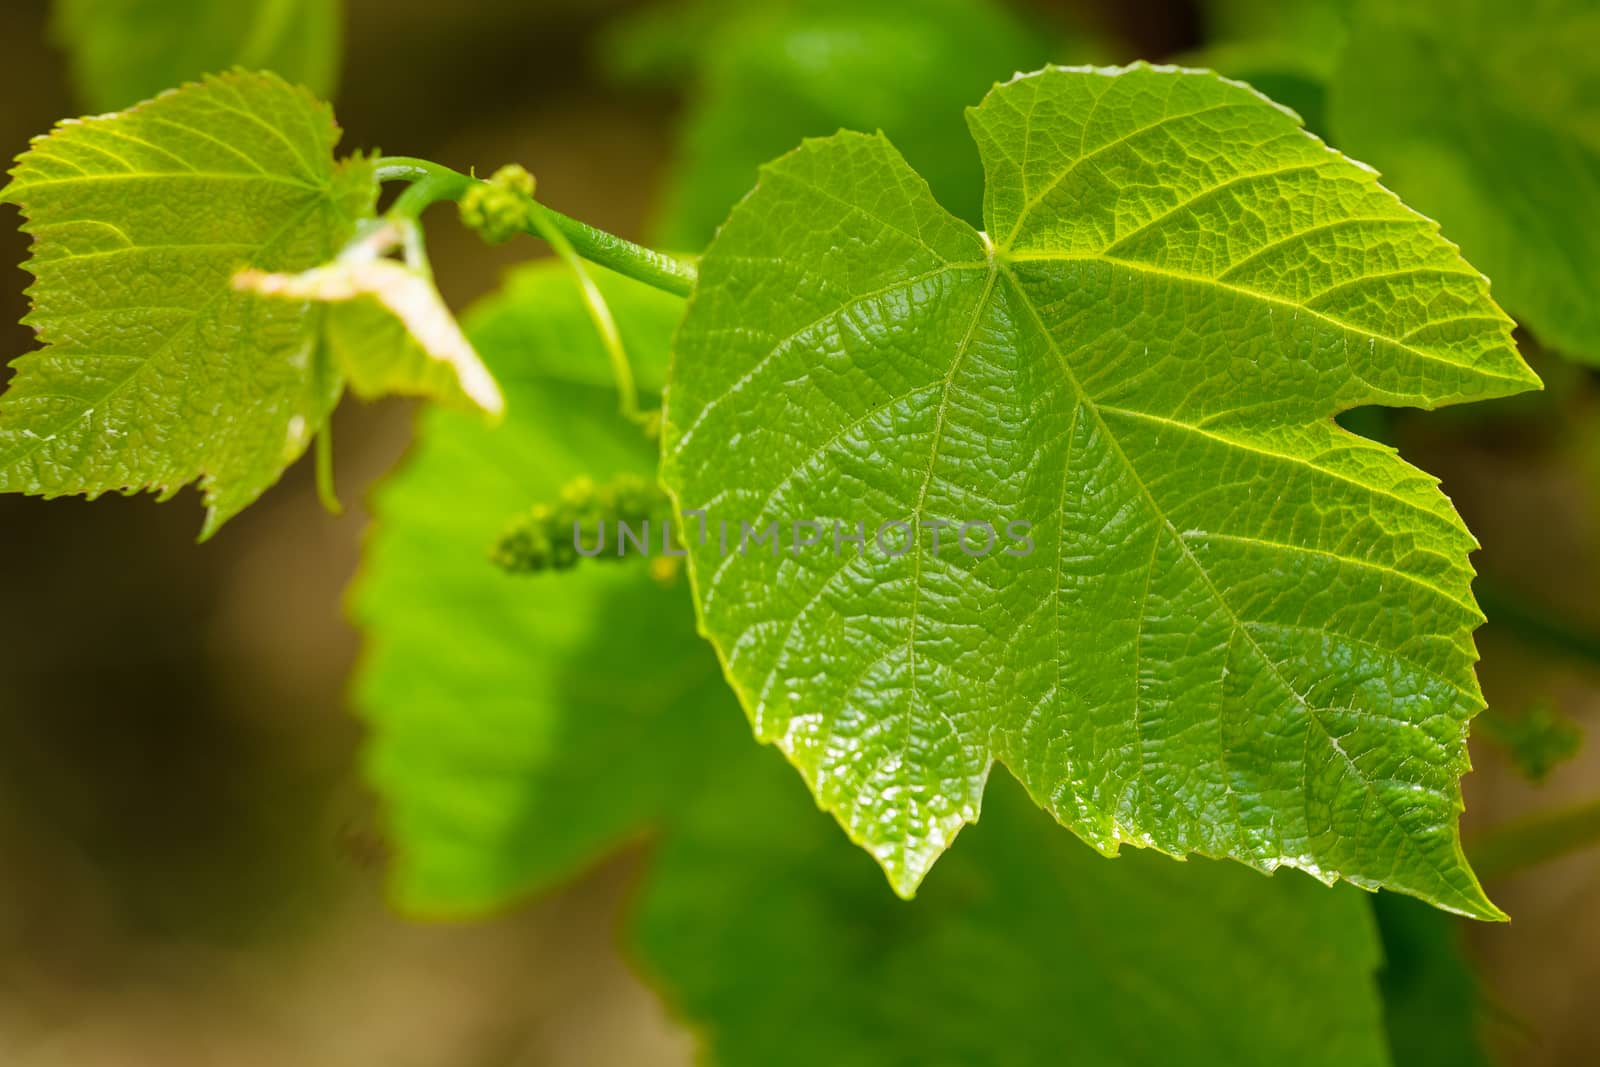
(504, 206)
(432, 183)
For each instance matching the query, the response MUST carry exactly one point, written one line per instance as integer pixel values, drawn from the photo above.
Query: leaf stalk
(432, 182)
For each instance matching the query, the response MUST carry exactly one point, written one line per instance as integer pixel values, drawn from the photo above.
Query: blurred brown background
(189, 867)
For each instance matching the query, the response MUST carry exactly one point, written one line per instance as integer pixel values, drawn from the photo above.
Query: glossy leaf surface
(1242, 631)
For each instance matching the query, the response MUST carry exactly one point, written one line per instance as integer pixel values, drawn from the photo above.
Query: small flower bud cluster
(498, 208)
(546, 537)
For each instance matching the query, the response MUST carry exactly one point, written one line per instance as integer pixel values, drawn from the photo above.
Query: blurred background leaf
(775, 936)
(1486, 116)
(1433, 1007)
(762, 77)
(1481, 114)
(124, 51)
(1286, 48)
(522, 727)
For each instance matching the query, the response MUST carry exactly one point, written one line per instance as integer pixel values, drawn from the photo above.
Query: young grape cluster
(499, 208)
(547, 536)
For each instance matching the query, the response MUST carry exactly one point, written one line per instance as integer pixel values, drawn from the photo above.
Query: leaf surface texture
(1243, 631)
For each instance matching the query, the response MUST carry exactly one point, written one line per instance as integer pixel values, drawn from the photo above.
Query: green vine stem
(1534, 840)
(432, 183)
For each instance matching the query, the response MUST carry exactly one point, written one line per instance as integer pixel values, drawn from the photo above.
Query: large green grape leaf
(522, 726)
(1242, 632)
(1486, 115)
(123, 51)
(770, 74)
(776, 940)
(155, 371)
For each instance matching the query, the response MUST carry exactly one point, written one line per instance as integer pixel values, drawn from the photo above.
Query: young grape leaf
(387, 327)
(155, 371)
(1536, 741)
(521, 727)
(775, 939)
(1486, 115)
(774, 73)
(123, 51)
(1242, 632)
